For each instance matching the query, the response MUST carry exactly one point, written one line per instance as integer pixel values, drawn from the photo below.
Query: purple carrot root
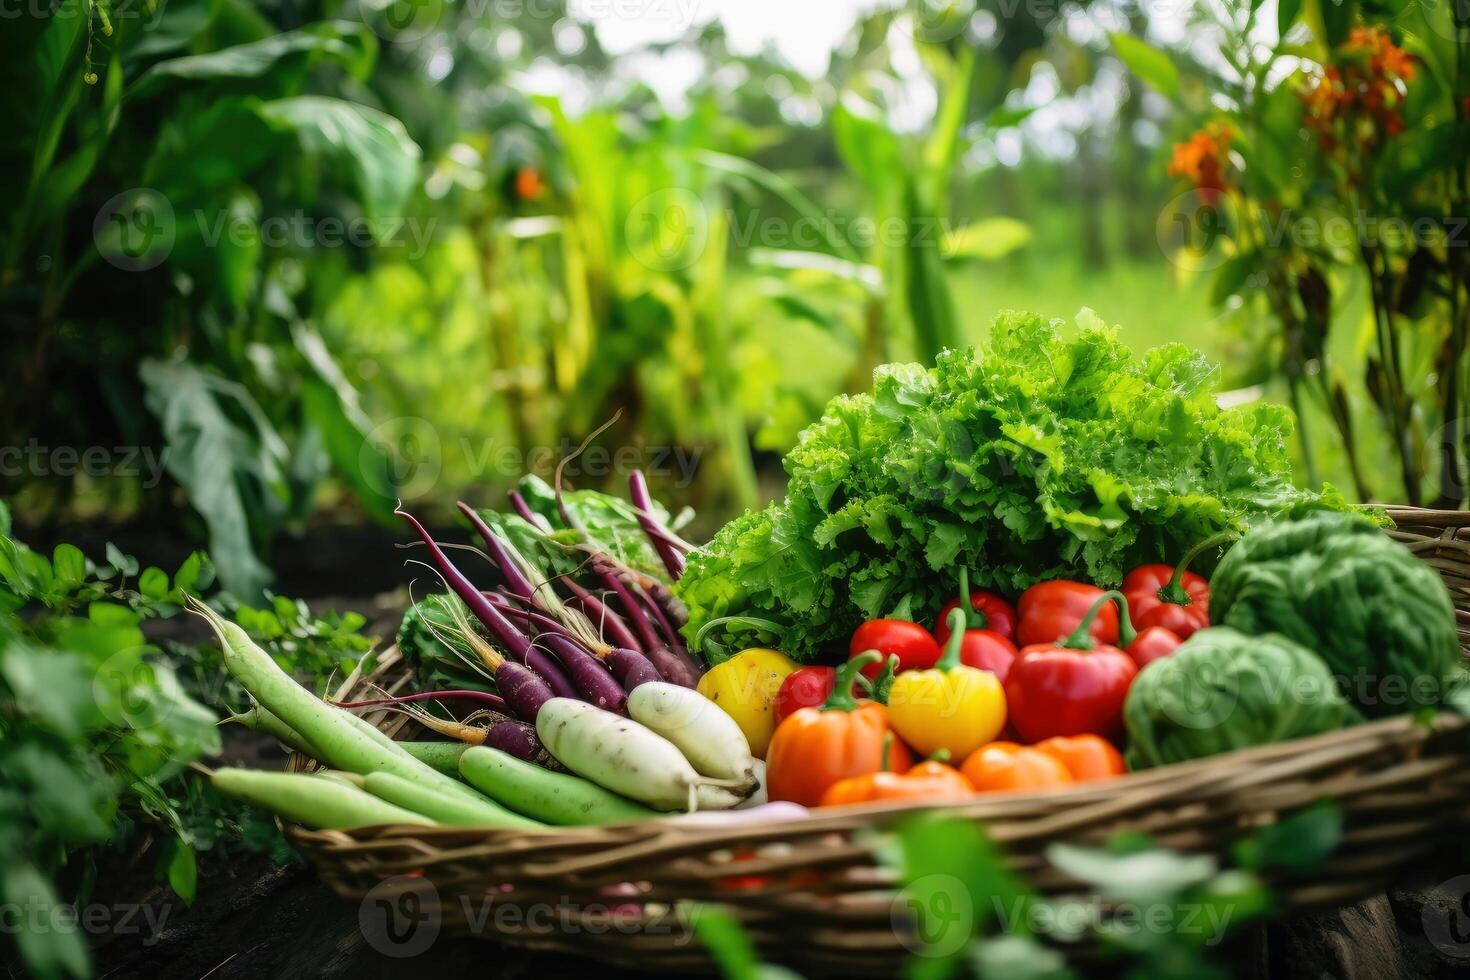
(527, 514)
(516, 738)
(515, 579)
(671, 667)
(631, 668)
(514, 640)
(592, 677)
(672, 558)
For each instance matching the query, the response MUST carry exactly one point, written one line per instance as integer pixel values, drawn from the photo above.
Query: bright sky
(803, 31)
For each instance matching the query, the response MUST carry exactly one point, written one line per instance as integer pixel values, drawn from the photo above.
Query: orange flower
(1357, 101)
(1202, 159)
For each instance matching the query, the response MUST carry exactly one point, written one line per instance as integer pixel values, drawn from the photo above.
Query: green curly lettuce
(1381, 618)
(1035, 456)
(1223, 690)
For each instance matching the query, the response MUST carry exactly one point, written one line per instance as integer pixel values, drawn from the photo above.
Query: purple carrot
(526, 617)
(515, 579)
(670, 666)
(527, 514)
(658, 536)
(492, 701)
(517, 738)
(590, 675)
(629, 666)
(513, 639)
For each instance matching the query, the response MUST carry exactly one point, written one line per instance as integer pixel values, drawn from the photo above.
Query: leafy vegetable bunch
(1036, 456)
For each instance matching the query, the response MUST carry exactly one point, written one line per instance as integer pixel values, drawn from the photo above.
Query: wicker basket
(812, 894)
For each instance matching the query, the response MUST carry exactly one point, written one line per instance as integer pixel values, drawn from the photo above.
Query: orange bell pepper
(1085, 756)
(816, 747)
(928, 782)
(1006, 766)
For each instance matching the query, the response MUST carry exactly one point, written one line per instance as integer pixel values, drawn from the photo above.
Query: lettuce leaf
(1035, 456)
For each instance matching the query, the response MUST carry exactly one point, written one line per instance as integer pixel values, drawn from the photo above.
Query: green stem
(974, 618)
(1081, 638)
(841, 698)
(749, 622)
(1174, 590)
(950, 658)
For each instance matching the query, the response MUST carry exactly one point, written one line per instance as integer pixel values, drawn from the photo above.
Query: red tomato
(806, 687)
(914, 646)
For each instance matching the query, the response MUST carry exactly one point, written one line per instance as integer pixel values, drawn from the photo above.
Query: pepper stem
(974, 618)
(887, 750)
(1081, 638)
(1173, 590)
(717, 651)
(879, 688)
(841, 698)
(950, 658)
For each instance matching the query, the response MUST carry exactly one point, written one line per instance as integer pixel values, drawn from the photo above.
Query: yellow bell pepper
(745, 688)
(950, 706)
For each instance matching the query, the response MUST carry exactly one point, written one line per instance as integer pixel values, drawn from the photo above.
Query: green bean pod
(555, 797)
(457, 811)
(313, 801)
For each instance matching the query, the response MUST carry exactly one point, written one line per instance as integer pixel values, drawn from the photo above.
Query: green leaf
(183, 871)
(1299, 843)
(331, 403)
(49, 954)
(347, 44)
(1147, 62)
(371, 146)
(195, 574)
(127, 565)
(232, 472)
(987, 239)
(153, 583)
(70, 566)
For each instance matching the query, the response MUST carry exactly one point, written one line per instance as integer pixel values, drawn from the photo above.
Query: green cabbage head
(1224, 690)
(1381, 618)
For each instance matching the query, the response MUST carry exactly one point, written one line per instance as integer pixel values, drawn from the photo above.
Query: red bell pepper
(1072, 686)
(984, 648)
(1146, 645)
(914, 646)
(988, 611)
(1150, 644)
(1050, 611)
(1171, 596)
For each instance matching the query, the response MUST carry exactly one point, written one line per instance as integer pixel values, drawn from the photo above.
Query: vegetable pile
(1011, 548)
(1037, 456)
(582, 692)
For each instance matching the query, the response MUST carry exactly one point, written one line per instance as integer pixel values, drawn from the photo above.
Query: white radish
(710, 739)
(619, 754)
